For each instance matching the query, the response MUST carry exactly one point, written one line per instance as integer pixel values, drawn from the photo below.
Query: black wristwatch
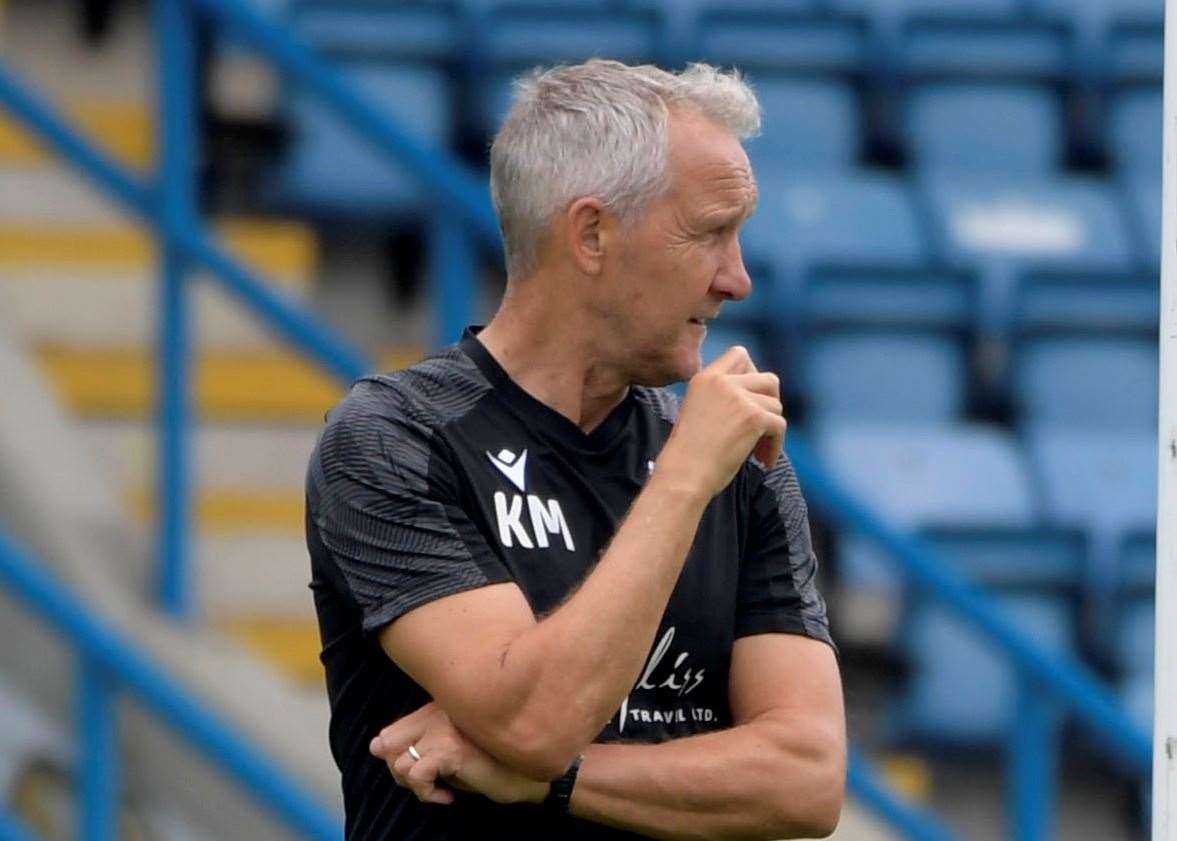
(559, 797)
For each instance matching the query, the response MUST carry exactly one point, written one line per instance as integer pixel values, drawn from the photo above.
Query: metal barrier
(109, 664)
(467, 221)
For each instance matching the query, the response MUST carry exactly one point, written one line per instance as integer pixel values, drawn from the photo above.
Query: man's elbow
(814, 809)
(536, 751)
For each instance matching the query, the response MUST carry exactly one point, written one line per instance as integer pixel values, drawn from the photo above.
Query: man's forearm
(586, 656)
(761, 780)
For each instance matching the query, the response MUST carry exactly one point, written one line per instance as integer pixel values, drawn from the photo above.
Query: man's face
(682, 259)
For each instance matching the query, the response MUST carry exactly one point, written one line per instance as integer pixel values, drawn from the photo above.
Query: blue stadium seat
(1117, 40)
(893, 376)
(354, 30)
(1143, 198)
(965, 38)
(807, 222)
(1004, 227)
(1135, 635)
(330, 170)
(778, 37)
(1023, 127)
(919, 476)
(1103, 482)
(1135, 132)
(1084, 381)
(1097, 479)
(522, 35)
(807, 123)
(960, 690)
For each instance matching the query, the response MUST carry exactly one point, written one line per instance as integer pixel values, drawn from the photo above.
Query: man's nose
(733, 281)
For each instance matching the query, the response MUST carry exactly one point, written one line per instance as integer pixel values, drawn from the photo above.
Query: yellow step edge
(909, 775)
(291, 645)
(271, 387)
(229, 511)
(285, 251)
(124, 129)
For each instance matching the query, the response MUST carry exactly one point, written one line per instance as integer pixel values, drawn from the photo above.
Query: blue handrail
(1068, 681)
(111, 662)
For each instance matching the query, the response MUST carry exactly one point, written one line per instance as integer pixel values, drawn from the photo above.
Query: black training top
(448, 476)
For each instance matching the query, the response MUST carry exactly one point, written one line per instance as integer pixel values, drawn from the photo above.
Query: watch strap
(559, 797)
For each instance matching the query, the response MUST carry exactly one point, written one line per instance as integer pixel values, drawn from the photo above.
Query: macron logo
(511, 466)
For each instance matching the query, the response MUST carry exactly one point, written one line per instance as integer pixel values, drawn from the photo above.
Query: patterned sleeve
(778, 588)
(385, 505)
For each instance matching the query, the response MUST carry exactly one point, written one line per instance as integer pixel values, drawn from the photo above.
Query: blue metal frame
(110, 663)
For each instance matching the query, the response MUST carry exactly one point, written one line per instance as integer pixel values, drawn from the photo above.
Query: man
(588, 612)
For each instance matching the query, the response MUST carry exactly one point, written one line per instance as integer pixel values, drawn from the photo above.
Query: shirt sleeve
(385, 503)
(778, 587)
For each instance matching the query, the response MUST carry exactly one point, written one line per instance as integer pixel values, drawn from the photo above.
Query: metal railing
(110, 664)
(465, 222)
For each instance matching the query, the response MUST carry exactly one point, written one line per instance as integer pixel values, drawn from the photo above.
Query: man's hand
(731, 410)
(448, 757)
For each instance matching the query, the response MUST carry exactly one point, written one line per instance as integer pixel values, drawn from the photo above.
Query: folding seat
(330, 170)
(1135, 131)
(795, 36)
(807, 123)
(1143, 196)
(968, 37)
(916, 476)
(1023, 127)
(960, 690)
(811, 230)
(1007, 229)
(883, 376)
(355, 30)
(1086, 381)
(1135, 634)
(1114, 40)
(1104, 482)
(517, 35)
(1134, 142)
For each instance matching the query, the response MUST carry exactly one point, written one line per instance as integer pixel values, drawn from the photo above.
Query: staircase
(79, 285)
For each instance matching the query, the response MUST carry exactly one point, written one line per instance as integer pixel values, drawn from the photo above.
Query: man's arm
(534, 693)
(778, 773)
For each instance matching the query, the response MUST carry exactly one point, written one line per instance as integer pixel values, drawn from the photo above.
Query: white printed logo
(545, 515)
(661, 673)
(511, 466)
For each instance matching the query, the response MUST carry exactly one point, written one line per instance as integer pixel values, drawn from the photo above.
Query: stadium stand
(1019, 209)
(1033, 574)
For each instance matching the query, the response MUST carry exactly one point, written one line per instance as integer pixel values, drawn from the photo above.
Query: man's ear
(583, 229)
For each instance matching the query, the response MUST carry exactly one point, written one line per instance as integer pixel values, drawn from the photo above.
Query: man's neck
(552, 356)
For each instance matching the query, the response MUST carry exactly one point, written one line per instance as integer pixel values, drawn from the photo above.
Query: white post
(1164, 788)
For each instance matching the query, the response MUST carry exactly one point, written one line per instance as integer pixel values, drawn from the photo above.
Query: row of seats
(1117, 39)
(1054, 520)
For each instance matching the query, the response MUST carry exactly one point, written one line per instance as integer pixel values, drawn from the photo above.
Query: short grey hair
(598, 129)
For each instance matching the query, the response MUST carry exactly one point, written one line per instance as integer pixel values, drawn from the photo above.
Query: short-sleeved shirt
(448, 476)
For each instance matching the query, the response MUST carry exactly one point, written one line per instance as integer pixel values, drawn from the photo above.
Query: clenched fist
(731, 411)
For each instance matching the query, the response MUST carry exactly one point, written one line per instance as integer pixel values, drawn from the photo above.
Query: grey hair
(598, 129)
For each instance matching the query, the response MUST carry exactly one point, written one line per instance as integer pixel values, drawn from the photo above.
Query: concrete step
(232, 512)
(227, 456)
(56, 196)
(261, 386)
(251, 575)
(68, 285)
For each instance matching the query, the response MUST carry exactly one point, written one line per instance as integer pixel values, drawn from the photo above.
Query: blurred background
(956, 259)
